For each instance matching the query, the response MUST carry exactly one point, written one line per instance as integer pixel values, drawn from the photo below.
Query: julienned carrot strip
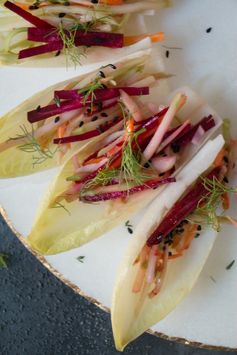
(111, 2)
(22, 5)
(113, 151)
(94, 160)
(174, 256)
(225, 201)
(219, 158)
(156, 37)
(61, 130)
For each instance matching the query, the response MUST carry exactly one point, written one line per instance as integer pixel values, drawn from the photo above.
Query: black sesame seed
(33, 7)
(208, 30)
(94, 1)
(112, 66)
(175, 148)
(100, 105)
(57, 53)
(170, 253)
(38, 108)
(95, 118)
(226, 179)
(167, 54)
(81, 123)
(102, 75)
(197, 235)
(130, 230)
(146, 165)
(226, 159)
(61, 14)
(199, 228)
(161, 174)
(104, 114)
(56, 119)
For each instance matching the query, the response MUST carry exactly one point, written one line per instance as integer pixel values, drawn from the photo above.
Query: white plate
(207, 62)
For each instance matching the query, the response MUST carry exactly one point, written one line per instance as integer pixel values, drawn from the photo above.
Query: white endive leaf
(133, 313)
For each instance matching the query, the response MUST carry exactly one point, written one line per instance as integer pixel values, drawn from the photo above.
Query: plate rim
(94, 301)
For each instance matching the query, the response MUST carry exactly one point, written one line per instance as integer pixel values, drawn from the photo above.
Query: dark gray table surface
(41, 315)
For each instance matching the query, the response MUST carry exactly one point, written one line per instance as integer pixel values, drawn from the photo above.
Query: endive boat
(49, 33)
(121, 171)
(82, 108)
(171, 244)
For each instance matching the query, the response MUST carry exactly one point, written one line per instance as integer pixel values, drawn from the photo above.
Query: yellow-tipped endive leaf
(16, 162)
(55, 231)
(133, 313)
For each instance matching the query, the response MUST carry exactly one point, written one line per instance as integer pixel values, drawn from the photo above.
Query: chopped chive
(3, 261)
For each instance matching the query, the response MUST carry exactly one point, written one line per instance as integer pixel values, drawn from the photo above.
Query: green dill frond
(72, 52)
(212, 202)
(89, 90)
(32, 146)
(60, 205)
(103, 178)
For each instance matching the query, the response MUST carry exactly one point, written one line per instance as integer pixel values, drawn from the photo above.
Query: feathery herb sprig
(211, 203)
(32, 146)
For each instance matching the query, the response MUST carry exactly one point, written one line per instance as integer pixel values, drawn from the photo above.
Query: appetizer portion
(75, 30)
(76, 110)
(171, 244)
(122, 170)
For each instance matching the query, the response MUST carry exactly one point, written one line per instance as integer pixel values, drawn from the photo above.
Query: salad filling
(144, 155)
(79, 111)
(69, 28)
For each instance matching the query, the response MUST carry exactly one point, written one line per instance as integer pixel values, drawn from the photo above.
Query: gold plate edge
(77, 290)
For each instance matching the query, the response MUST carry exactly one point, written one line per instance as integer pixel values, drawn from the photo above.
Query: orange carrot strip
(61, 130)
(219, 158)
(156, 37)
(111, 2)
(94, 160)
(225, 201)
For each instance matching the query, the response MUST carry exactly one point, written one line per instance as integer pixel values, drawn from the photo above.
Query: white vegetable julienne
(132, 314)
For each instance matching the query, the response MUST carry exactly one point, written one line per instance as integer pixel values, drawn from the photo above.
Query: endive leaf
(133, 313)
(56, 231)
(16, 162)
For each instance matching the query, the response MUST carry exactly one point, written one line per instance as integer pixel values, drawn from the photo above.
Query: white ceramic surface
(207, 62)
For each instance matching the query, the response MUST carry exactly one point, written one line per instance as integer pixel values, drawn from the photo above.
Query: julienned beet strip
(206, 123)
(52, 110)
(182, 208)
(44, 48)
(81, 38)
(87, 135)
(28, 16)
(103, 94)
(105, 196)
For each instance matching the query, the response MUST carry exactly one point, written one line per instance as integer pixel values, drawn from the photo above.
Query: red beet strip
(28, 16)
(206, 123)
(52, 110)
(87, 135)
(105, 196)
(105, 39)
(44, 48)
(181, 209)
(103, 94)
